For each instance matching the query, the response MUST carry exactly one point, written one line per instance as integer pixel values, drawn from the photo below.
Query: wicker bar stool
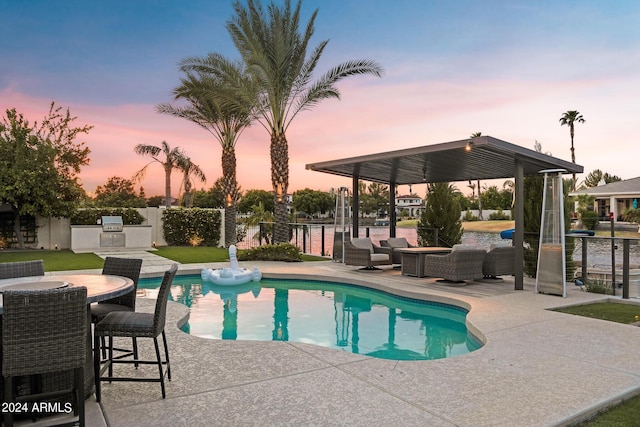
(135, 325)
(44, 332)
(126, 267)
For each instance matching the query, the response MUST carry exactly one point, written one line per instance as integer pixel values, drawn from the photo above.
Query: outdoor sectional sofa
(462, 263)
(361, 251)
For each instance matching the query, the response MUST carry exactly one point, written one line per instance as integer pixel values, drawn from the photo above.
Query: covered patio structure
(482, 157)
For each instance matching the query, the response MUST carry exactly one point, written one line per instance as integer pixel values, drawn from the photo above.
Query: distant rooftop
(630, 187)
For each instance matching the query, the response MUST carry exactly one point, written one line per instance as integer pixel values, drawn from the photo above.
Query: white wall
(58, 233)
(86, 238)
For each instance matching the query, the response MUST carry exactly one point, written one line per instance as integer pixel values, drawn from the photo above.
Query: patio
(537, 367)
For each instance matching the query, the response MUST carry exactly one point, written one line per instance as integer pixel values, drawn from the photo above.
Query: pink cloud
(372, 116)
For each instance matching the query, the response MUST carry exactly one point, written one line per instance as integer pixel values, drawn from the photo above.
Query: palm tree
(570, 118)
(172, 158)
(208, 88)
(275, 53)
(263, 218)
(511, 186)
(189, 169)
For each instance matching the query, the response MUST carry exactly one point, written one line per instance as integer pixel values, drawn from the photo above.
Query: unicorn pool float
(233, 275)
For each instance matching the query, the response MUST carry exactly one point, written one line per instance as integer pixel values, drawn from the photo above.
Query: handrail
(626, 244)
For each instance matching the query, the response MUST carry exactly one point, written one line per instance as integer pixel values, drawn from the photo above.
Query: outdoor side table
(413, 259)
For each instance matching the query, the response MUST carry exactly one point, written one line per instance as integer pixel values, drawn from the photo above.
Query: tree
(312, 201)
(274, 51)
(39, 165)
(118, 193)
(155, 201)
(214, 197)
(261, 215)
(594, 177)
(380, 195)
(207, 88)
(253, 198)
(442, 212)
(189, 170)
(171, 161)
(569, 119)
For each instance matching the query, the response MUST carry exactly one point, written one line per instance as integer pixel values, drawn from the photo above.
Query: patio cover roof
(483, 157)
(486, 158)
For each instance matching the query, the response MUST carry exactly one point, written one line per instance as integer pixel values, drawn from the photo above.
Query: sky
(508, 69)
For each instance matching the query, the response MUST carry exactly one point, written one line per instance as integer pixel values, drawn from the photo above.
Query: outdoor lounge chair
(462, 263)
(361, 251)
(396, 242)
(498, 261)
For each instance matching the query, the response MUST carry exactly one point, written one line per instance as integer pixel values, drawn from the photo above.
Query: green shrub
(598, 287)
(500, 215)
(468, 216)
(631, 215)
(589, 219)
(442, 213)
(272, 252)
(91, 216)
(181, 225)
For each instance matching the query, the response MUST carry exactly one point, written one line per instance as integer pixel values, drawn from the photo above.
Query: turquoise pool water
(338, 316)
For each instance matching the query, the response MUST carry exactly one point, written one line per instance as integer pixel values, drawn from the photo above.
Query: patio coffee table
(413, 258)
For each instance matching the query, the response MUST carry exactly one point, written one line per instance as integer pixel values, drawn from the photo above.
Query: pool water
(338, 316)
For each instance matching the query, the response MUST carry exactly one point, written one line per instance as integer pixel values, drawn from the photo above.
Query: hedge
(184, 226)
(91, 216)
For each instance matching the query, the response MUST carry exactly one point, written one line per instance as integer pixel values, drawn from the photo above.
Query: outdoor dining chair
(44, 332)
(126, 267)
(10, 270)
(134, 325)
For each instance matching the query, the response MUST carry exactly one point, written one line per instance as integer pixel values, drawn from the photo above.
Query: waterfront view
(310, 239)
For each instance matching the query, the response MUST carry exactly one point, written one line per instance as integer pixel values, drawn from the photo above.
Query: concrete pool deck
(537, 367)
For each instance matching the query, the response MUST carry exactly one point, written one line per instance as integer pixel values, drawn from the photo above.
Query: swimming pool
(339, 316)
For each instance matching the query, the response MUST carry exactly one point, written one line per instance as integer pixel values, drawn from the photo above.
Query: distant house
(614, 198)
(411, 203)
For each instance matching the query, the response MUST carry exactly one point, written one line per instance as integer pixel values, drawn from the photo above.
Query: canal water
(599, 250)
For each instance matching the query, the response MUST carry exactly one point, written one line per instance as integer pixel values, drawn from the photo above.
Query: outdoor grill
(112, 223)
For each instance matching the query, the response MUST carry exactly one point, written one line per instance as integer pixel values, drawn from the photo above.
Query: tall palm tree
(189, 169)
(569, 119)
(213, 104)
(275, 53)
(172, 158)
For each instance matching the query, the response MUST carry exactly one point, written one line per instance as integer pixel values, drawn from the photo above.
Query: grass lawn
(64, 260)
(479, 226)
(55, 260)
(611, 311)
(628, 412)
(190, 254)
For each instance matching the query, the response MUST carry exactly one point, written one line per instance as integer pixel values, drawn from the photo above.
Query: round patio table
(100, 287)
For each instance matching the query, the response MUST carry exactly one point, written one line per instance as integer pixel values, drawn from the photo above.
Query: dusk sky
(508, 69)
